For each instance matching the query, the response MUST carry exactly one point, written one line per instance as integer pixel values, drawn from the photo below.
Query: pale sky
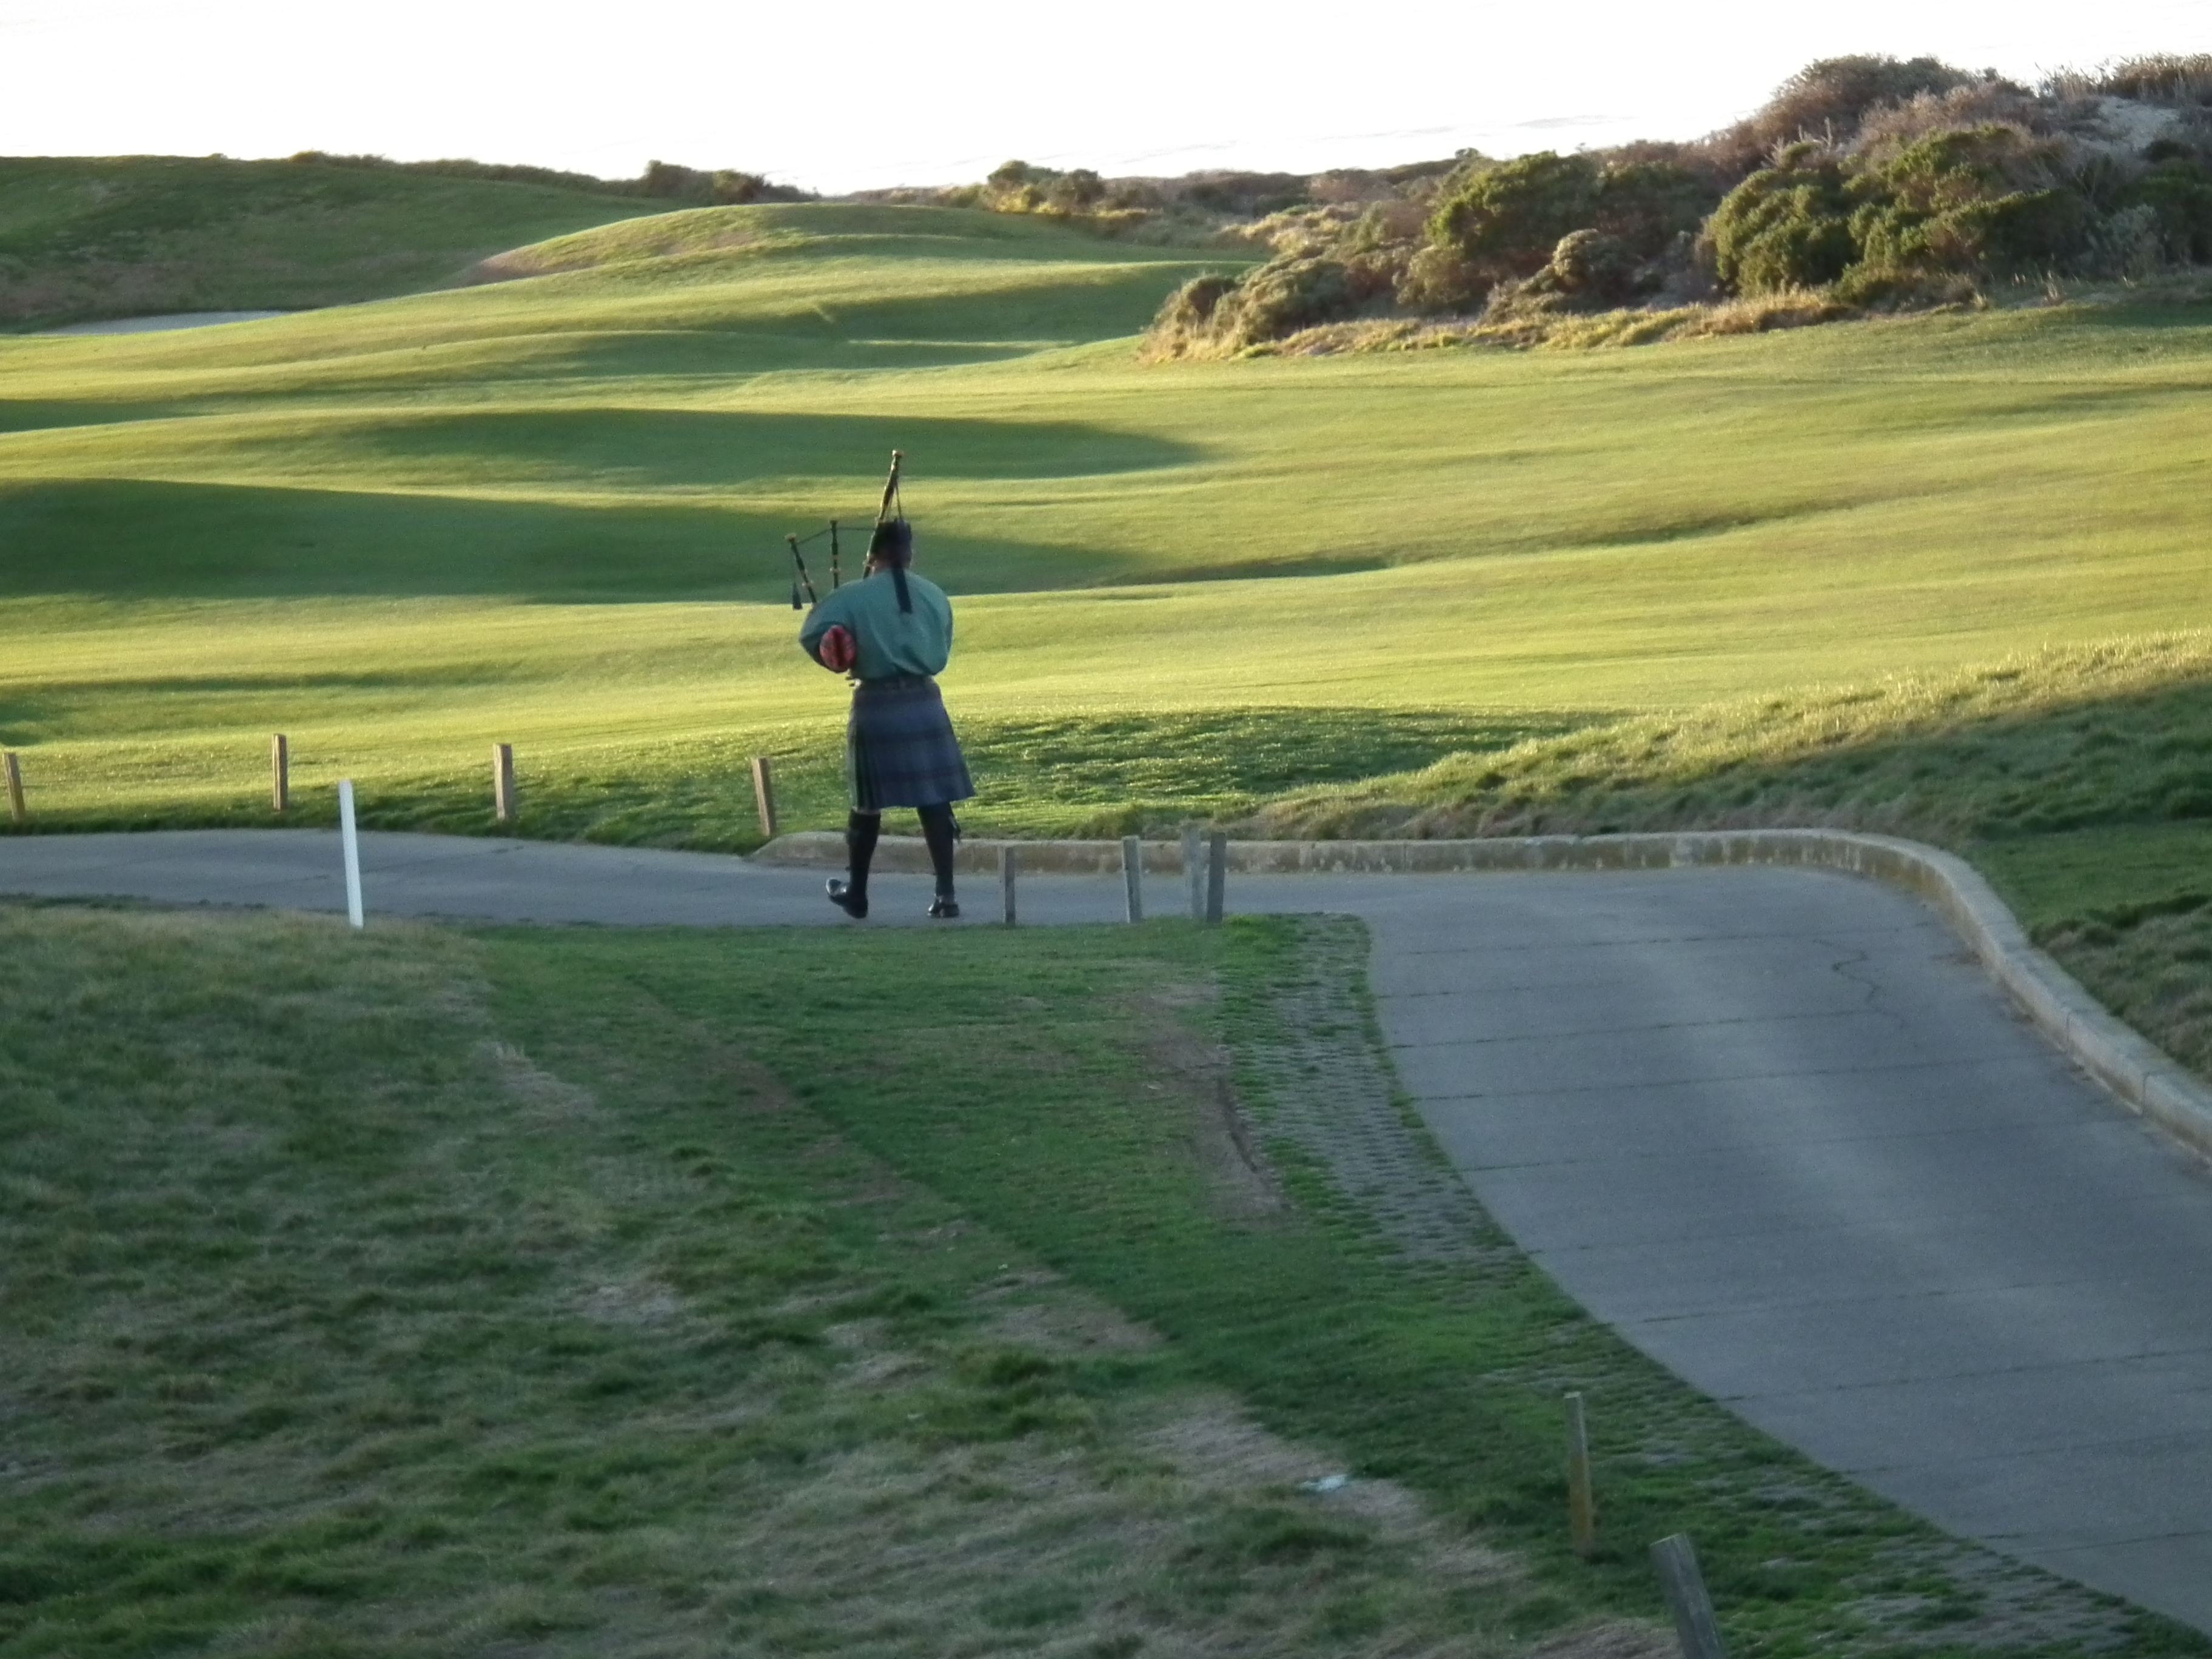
(870, 93)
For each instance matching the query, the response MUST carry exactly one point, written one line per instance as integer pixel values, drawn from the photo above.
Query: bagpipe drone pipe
(838, 649)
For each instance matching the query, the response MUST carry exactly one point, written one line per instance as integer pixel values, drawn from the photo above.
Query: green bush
(1509, 218)
(1215, 315)
(1594, 267)
(1983, 199)
(1285, 295)
(1646, 206)
(2178, 190)
(1787, 226)
(1886, 288)
(1440, 281)
(722, 188)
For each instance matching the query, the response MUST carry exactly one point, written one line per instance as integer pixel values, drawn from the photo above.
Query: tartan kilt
(899, 746)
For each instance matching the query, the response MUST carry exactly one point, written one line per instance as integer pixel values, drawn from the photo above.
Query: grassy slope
(563, 1291)
(536, 494)
(146, 235)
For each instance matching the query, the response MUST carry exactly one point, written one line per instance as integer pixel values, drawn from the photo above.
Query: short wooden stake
(503, 804)
(1009, 866)
(764, 796)
(1217, 875)
(349, 845)
(1194, 870)
(1695, 1627)
(17, 812)
(1582, 1502)
(280, 774)
(1132, 877)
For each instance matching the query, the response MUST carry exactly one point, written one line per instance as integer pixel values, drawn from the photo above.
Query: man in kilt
(892, 632)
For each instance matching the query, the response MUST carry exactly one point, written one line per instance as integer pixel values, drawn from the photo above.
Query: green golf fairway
(550, 512)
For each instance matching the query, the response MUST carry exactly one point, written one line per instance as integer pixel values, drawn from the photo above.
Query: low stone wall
(2131, 1068)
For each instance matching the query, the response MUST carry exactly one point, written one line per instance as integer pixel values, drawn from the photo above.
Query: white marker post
(351, 842)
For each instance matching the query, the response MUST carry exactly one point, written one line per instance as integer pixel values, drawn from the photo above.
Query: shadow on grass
(46, 413)
(703, 448)
(127, 538)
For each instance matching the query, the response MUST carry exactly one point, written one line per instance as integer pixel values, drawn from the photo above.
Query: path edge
(2127, 1064)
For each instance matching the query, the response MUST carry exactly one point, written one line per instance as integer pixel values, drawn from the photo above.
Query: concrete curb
(2128, 1065)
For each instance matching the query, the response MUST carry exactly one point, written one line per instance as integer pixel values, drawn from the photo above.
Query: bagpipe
(891, 531)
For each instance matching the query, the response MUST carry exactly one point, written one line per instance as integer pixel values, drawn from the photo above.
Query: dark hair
(892, 544)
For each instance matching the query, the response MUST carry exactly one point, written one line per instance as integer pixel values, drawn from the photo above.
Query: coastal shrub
(1216, 315)
(1827, 101)
(1246, 195)
(1186, 323)
(2178, 192)
(1889, 128)
(2154, 78)
(2125, 244)
(1785, 226)
(722, 188)
(1284, 295)
(1508, 218)
(1441, 281)
(1592, 267)
(1646, 206)
(1984, 199)
(1869, 287)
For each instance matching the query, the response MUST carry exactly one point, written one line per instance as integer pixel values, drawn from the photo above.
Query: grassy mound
(144, 236)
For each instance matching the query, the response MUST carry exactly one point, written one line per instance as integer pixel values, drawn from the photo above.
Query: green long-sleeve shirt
(888, 640)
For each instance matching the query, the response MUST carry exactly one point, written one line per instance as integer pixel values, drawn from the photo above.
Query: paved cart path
(1773, 1125)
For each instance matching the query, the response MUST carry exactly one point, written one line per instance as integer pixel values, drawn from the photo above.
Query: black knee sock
(936, 829)
(861, 830)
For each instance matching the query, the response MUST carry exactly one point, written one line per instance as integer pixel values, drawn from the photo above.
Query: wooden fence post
(504, 805)
(280, 774)
(1581, 1501)
(1009, 865)
(1695, 1627)
(17, 812)
(1132, 877)
(1217, 875)
(1194, 870)
(764, 796)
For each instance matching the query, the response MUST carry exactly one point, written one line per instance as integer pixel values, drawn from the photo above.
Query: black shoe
(852, 902)
(944, 910)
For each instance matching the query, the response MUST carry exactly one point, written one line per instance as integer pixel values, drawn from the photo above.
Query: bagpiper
(891, 632)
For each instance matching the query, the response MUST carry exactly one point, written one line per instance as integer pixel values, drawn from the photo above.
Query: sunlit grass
(1694, 582)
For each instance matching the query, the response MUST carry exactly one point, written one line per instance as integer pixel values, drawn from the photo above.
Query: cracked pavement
(1773, 1125)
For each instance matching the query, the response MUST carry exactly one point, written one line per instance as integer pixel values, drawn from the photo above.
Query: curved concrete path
(1773, 1125)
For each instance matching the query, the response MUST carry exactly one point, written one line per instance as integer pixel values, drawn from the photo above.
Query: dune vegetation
(1866, 184)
